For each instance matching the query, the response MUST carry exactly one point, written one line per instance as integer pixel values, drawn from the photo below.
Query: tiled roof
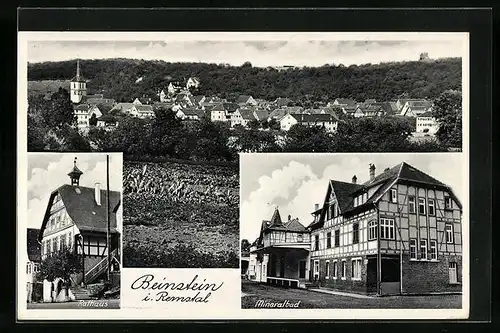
(230, 107)
(82, 107)
(144, 108)
(247, 114)
(346, 101)
(80, 204)
(193, 112)
(243, 99)
(123, 107)
(261, 114)
(426, 114)
(34, 247)
(313, 118)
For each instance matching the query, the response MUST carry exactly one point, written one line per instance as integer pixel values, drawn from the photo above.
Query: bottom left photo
(73, 230)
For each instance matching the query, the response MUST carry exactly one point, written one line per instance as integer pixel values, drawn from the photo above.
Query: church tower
(75, 174)
(78, 85)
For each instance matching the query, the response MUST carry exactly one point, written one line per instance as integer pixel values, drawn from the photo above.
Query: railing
(99, 268)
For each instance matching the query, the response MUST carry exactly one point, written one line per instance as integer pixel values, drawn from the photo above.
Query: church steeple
(78, 85)
(75, 174)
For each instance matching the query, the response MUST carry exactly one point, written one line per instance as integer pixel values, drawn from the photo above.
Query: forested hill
(116, 78)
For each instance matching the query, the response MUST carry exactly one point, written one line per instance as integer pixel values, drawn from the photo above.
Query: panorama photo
(182, 109)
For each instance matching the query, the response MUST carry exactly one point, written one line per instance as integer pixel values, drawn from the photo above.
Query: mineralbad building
(398, 233)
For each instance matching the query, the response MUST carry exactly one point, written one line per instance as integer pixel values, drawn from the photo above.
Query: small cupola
(75, 174)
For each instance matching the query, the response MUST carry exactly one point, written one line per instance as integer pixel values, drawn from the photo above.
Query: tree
(58, 111)
(62, 264)
(93, 120)
(245, 245)
(307, 139)
(166, 131)
(274, 124)
(448, 112)
(73, 140)
(253, 124)
(374, 134)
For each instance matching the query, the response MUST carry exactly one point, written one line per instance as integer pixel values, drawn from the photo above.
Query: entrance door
(302, 269)
(390, 284)
(282, 266)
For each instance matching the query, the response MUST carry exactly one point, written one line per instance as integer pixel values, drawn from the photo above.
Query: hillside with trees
(116, 78)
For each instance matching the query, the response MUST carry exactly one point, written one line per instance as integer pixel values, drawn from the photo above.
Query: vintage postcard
(218, 147)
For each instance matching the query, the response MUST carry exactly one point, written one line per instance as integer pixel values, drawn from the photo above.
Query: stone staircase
(80, 293)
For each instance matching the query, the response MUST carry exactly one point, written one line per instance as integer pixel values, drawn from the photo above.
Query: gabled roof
(402, 173)
(81, 207)
(261, 114)
(346, 101)
(282, 101)
(243, 99)
(313, 118)
(144, 108)
(230, 107)
(278, 113)
(34, 247)
(123, 106)
(193, 112)
(82, 107)
(426, 114)
(247, 114)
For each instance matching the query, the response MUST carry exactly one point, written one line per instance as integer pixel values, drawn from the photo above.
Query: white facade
(83, 116)
(218, 115)
(77, 91)
(428, 123)
(287, 122)
(236, 118)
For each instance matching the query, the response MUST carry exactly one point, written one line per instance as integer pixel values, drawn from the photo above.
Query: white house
(142, 111)
(190, 114)
(287, 121)
(426, 123)
(83, 113)
(192, 82)
(328, 121)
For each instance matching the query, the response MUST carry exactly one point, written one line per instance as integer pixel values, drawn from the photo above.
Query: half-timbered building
(76, 219)
(398, 233)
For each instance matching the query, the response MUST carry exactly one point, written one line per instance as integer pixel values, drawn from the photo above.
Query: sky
(48, 171)
(295, 182)
(295, 52)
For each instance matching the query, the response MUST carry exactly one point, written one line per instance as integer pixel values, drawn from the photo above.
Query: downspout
(379, 257)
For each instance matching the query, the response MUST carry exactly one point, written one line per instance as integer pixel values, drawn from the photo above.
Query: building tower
(75, 174)
(78, 85)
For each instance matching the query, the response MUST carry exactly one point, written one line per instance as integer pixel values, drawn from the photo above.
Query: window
(355, 233)
(447, 202)
(54, 245)
(70, 240)
(452, 271)
(356, 269)
(413, 249)
(433, 250)
(337, 238)
(62, 241)
(372, 230)
(411, 204)
(423, 249)
(421, 206)
(386, 228)
(355, 201)
(365, 197)
(47, 251)
(449, 233)
(316, 242)
(328, 240)
(300, 238)
(432, 209)
(327, 270)
(334, 269)
(393, 195)
(316, 267)
(343, 272)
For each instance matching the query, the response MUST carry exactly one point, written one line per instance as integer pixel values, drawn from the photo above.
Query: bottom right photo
(353, 230)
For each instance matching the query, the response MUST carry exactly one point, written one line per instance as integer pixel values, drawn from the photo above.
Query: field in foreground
(253, 292)
(180, 215)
